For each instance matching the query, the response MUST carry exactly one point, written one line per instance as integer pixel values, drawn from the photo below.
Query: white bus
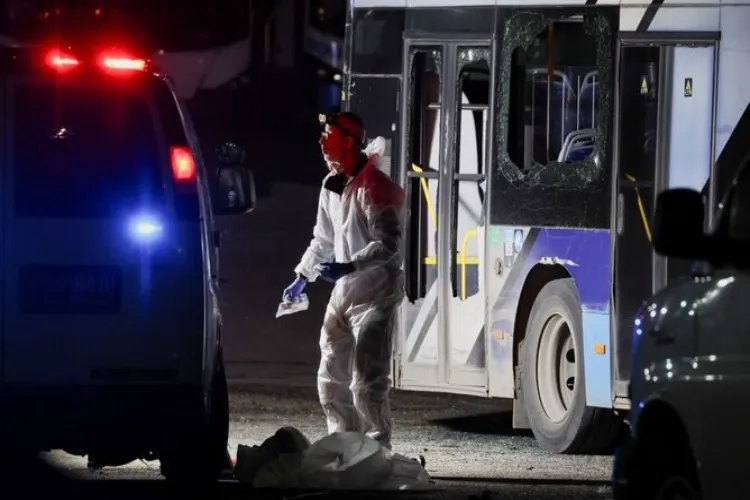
(532, 138)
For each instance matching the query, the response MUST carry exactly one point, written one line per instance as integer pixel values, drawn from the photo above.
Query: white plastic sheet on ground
(346, 460)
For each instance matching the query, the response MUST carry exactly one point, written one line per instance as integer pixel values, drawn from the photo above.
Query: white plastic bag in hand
(302, 303)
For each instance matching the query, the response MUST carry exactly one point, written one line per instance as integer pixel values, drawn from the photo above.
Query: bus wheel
(552, 377)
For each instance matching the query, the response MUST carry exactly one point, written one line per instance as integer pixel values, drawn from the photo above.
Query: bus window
(474, 81)
(423, 149)
(474, 89)
(554, 97)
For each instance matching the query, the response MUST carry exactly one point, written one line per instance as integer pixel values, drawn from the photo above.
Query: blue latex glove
(333, 271)
(293, 291)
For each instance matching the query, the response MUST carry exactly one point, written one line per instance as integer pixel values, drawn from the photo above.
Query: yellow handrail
(426, 191)
(641, 208)
(471, 233)
(462, 259)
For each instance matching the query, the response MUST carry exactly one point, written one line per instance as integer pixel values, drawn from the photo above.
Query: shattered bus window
(555, 81)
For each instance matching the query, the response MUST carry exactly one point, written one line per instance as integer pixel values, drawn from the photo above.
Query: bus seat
(576, 141)
(587, 106)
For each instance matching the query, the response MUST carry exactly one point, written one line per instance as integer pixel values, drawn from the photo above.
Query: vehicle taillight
(61, 60)
(124, 63)
(183, 164)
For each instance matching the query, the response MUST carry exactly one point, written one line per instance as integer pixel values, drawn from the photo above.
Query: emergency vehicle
(532, 139)
(110, 339)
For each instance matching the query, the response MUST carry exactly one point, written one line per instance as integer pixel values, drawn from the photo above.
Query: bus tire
(552, 377)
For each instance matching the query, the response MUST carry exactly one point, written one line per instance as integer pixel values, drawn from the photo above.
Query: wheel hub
(556, 368)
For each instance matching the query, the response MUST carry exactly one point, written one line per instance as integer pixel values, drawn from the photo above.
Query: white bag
(353, 461)
(406, 474)
(344, 460)
(302, 303)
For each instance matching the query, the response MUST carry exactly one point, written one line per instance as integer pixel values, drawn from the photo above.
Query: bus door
(665, 118)
(445, 133)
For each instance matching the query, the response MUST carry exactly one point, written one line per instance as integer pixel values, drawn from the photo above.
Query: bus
(532, 139)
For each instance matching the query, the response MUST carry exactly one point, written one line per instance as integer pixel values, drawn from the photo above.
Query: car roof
(18, 60)
(24, 60)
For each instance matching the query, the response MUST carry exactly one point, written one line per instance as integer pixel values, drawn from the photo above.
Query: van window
(84, 152)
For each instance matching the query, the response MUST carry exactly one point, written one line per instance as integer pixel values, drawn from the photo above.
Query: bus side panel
(376, 42)
(514, 253)
(683, 18)
(733, 104)
(376, 101)
(373, 86)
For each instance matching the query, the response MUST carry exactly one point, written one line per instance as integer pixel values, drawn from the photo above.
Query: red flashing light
(60, 60)
(124, 63)
(183, 164)
(114, 62)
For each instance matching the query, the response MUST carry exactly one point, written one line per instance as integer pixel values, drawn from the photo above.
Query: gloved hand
(333, 271)
(293, 291)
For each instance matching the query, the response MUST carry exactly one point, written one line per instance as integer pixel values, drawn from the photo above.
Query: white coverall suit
(357, 334)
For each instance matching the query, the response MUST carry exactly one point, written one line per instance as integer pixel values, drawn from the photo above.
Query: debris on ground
(344, 460)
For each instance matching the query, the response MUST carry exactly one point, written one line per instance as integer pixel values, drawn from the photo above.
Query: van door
(91, 241)
(445, 123)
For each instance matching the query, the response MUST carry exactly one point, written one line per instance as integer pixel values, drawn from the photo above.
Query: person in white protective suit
(357, 245)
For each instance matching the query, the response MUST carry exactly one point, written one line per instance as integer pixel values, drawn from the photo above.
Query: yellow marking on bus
(600, 349)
